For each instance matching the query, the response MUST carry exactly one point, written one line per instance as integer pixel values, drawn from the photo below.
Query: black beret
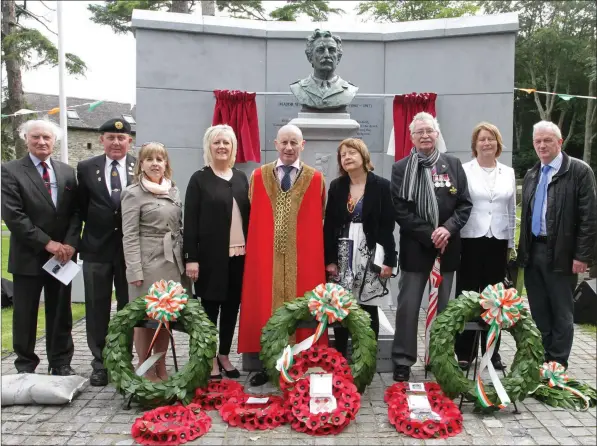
(117, 125)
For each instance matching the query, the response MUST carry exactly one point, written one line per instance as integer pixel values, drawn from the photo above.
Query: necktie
(45, 175)
(286, 178)
(540, 197)
(115, 185)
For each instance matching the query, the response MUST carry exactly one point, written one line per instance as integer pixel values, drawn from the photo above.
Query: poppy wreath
(171, 425)
(449, 425)
(326, 358)
(319, 303)
(202, 346)
(557, 390)
(301, 419)
(237, 412)
(524, 372)
(216, 393)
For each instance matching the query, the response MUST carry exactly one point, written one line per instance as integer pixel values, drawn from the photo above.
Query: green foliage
(180, 386)
(34, 50)
(275, 334)
(524, 372)
(117, 14)
(246, 9)
(317, 10)
(555, 51)
(405, 11)
(558, 397)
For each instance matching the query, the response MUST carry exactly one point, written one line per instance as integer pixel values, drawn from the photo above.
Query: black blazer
(102, 235)
(30, 214)
(378, 217)
(207, 219)
(417, 252)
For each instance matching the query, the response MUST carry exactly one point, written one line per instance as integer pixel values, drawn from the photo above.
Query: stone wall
(467, 61)
(82, 144)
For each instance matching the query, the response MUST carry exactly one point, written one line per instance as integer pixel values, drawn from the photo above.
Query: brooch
(453, 190)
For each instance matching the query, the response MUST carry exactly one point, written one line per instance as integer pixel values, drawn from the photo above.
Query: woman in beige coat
(152, 239)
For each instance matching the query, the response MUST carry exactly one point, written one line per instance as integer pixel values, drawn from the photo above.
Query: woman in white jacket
(488, 235)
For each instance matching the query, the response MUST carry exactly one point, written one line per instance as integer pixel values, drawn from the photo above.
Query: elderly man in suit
(101, 181)
(432, 203)
(39, 206)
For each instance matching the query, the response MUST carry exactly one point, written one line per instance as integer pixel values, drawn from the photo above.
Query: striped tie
(45, 175)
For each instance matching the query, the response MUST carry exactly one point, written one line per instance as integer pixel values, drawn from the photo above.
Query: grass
(78, 309)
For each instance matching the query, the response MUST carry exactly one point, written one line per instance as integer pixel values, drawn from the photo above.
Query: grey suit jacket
(32, 218)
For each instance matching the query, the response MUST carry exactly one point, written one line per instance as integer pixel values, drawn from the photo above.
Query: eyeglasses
(420, 133)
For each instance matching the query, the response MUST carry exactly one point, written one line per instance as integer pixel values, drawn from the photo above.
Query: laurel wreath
(524, 372)
(557, 397)
(180, 386)
(282, 324)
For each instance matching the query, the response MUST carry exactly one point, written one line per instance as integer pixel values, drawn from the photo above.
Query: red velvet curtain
(406, 106)
(239, 110)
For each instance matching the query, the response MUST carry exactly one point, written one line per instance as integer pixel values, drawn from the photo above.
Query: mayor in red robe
(284, 252)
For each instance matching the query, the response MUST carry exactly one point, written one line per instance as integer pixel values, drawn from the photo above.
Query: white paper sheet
(253, 400)
(64, 272)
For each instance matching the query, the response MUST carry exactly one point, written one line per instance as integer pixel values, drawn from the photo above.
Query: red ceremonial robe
(284, 253)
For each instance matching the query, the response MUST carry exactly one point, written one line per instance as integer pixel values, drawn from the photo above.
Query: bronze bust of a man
(324, 90)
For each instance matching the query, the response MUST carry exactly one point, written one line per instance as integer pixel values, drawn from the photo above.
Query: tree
(118, 14)
(555, 41)
(27, 48)
(405, 11)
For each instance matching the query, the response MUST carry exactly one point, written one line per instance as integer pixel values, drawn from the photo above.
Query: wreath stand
(478, 328)
(153, 324)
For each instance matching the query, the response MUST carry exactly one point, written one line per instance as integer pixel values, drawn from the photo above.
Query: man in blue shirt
(557, 237)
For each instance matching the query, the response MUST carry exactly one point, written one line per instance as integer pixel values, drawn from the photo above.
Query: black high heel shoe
(234, 373)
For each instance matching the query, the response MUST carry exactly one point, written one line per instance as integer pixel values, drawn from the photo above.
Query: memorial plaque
(368, 112)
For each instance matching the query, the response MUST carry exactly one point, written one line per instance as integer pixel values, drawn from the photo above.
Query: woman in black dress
(216, 220)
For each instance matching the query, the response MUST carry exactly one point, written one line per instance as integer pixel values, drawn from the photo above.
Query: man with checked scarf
(432, 203)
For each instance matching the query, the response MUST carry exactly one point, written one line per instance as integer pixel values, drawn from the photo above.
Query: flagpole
(62, 93)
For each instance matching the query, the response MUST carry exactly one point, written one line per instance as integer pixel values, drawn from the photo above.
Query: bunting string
(24, 111)
(565, 97)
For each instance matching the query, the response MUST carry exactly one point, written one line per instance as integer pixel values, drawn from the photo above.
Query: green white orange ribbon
(284, 364)
(503, 310)
(163, 303)
(328, 302)
(555, 375)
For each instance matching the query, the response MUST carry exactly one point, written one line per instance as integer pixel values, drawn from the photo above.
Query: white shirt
(293, 173)
(40, 169)
(121, 167)
(494, 202)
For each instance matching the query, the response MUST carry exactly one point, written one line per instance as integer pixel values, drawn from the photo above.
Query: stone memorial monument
(324, 97)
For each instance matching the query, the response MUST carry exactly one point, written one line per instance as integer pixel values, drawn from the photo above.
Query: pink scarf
(155, 188)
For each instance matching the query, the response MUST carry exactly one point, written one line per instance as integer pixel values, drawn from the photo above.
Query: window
(129, 119)
(88, 146)
(72, 114)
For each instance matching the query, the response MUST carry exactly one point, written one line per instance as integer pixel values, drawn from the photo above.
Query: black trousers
(552, 305)
(59, 321)
(483, 262)
(98, 278)
(341, 333)
(228, 308)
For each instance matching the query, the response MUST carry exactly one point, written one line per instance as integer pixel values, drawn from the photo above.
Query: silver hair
(548, 126)
(210, 135)
(46, 124)
(424, 117)
(290, 127)
(318, 34)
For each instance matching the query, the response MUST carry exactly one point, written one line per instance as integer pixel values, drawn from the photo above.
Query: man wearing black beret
(101, 181)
